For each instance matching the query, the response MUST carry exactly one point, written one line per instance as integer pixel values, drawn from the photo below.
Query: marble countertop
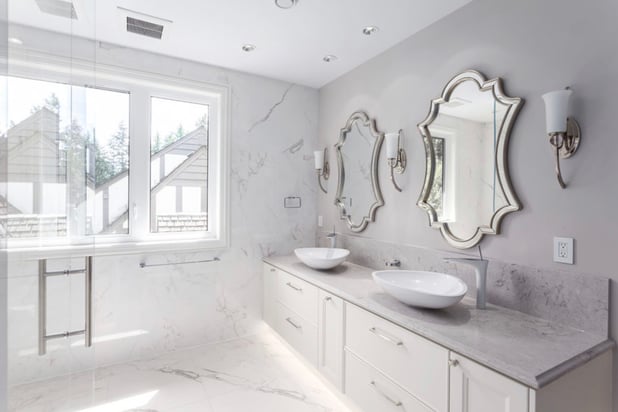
(525, 348)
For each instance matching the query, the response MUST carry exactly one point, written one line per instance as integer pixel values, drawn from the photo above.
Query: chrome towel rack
(87, 331)
(145, 265)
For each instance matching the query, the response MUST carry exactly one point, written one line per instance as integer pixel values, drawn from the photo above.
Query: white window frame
(142, 87)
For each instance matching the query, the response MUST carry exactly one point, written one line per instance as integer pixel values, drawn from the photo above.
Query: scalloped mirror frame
(501, 157)
(375, 184)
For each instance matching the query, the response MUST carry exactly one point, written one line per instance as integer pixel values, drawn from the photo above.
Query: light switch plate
(563, 250)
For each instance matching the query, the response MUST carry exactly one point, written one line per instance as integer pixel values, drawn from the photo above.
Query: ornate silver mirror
(358, 191)
(467, 188)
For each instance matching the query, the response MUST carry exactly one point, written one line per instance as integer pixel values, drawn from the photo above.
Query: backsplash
(578, 300)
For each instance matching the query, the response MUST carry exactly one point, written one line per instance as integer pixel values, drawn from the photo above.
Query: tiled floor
(257, 374)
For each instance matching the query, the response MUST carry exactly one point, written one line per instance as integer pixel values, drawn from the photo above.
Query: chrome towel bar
(145, 265)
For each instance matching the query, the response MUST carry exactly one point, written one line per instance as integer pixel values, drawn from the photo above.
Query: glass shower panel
(49, 197)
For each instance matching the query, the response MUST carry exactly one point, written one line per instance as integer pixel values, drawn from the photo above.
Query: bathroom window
(80, 173)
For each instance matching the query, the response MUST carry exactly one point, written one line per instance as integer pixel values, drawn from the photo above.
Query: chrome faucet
(480, 270)
(332, 237)
(395, 263)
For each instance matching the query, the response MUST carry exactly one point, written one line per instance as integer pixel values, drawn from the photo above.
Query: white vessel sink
(423, 289)
(322, 257)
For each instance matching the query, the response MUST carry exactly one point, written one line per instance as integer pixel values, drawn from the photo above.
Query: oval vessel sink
(322, 257)
(423, 289)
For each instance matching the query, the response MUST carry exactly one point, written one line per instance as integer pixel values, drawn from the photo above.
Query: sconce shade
(557, 110)
(318, 156)
(392, 145)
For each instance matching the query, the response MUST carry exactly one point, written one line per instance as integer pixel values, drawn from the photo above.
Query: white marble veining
(256, 373)
(528, 349)
(578, 300)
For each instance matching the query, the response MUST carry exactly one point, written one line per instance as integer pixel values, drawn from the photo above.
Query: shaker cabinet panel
(475, 388)
(330, 338)
(269, 305)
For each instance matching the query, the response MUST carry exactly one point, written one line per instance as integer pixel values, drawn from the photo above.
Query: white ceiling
(290, 43)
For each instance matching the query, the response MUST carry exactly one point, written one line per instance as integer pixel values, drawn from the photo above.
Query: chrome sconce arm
(322, 167)
(564, 132)
(396, 155)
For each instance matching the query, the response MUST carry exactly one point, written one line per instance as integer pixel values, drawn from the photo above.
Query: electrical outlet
(320, 221)
(563, 250)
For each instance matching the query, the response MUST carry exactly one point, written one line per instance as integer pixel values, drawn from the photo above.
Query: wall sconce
(321, 166)
(564, 132)
(396, 156)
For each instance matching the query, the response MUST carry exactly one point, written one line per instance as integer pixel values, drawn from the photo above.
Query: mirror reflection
(358, 192)
(467, 189)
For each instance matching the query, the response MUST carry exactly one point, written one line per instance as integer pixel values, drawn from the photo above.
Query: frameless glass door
(52, 198)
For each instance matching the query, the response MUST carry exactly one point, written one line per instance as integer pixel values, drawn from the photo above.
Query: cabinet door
(270, 297)
(330, 338)
(475, 388)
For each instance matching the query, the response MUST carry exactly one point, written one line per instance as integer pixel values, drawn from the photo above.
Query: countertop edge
(556, 373)
(534, 382)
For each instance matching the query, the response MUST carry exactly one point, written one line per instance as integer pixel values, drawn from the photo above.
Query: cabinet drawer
(372, 391)
(298, 332)
(298, 295)
(418, 365)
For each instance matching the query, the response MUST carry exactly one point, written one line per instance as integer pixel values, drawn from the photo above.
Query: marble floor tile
(250, 374)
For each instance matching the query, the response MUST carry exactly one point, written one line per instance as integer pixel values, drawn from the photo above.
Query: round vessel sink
(423, 289)
(321, 257)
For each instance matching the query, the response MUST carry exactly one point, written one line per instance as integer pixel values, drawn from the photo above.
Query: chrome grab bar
(291, 322)
(385, 336)
(377, 389)
(87, 331)
(296, 288)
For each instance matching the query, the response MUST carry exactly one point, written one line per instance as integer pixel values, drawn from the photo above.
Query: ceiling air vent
(58, 8)
(144, 28)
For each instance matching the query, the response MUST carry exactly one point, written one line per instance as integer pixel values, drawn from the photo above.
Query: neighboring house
(175, 170)
(36, 169)
(34, 201)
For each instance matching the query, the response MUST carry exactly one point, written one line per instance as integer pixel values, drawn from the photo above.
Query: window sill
(112, 249)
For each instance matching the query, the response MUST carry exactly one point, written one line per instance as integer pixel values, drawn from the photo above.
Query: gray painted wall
(535, 46)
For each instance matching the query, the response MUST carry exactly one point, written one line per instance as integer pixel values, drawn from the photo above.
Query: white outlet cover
(563, 250)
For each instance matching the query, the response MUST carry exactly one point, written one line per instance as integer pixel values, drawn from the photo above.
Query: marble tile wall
(577, 300)
(139, 313)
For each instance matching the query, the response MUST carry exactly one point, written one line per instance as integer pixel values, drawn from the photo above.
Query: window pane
(54, 133)
(178, 166)
(108, 166)
(39, 138)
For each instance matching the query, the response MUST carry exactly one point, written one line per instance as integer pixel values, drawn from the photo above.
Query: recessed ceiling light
(286, 4)
(329, 58)
(248, 47)
(369, 30)
(15, 40)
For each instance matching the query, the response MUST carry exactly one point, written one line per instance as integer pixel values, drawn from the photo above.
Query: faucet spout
(332, 238)
(480, 270)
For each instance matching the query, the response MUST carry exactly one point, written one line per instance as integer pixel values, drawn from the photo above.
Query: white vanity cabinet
(380, 366)
(308, 319)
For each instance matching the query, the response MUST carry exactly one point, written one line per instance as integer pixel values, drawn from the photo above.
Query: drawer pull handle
(291, 322)
(393, 401)
(453, 362)
(327, 299)
(296, 288)
(273, 270)
(386, 337)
